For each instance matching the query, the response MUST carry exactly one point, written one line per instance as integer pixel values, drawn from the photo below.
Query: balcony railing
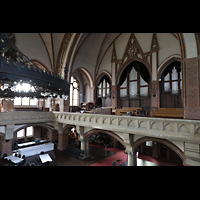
(174, 129)
(23, 117)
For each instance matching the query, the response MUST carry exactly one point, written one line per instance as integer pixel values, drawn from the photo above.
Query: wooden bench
(124, 110)
(168, 112)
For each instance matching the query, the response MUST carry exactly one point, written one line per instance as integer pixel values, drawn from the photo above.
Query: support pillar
(132, 158)
(62, 141)
(84, 148)
(192, 154)
(62, 138)
(131, 154)
(84, 143)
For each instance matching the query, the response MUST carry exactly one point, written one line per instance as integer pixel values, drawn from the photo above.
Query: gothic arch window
(171, 86)
(103, 88)
(133, 85)
(103, 92)
(74, 92)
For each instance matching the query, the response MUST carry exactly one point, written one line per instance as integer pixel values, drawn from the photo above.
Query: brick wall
(191, 89)
(154, 92)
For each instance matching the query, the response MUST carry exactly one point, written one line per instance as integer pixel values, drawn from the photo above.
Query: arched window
(103, 92)
(103, 87)
(133, 86)
(26, 132)
(74, 92)
(171, 86)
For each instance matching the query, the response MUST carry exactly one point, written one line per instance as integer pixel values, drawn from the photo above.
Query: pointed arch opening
(103, 91)
(133, 86)
(171, 85)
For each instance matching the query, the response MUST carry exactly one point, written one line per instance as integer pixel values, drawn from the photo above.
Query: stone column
(192, 154)
(85, 148)
(62, 138)
(132, 158)
(62, 141)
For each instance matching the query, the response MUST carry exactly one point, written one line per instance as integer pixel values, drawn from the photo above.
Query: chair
(4, 155)
(28, 164)
(114, 163)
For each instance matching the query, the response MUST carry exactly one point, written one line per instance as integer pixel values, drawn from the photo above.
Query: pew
(124, 110)
(168, 112)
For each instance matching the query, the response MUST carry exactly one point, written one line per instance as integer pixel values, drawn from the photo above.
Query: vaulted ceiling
(89, 50)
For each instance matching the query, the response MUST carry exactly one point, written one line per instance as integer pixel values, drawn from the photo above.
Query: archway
(133, 86)
(171, 85)
(33, 132)
(72, 135)
(164, 142)
(67, 137)
(103, 147)
(103, 91)
(110, 133)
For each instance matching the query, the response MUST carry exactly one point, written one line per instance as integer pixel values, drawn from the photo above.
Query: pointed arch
(103, 73)
(133, 51)
(88, 75)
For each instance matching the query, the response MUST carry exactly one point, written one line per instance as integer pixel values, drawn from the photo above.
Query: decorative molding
(133, 51)
(170, 129)
(154, 43)
(114, 54)
(61, 54)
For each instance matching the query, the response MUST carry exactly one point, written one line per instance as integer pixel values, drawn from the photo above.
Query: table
(25, 144)
(33, 150)
(14, 159)
(45, 158)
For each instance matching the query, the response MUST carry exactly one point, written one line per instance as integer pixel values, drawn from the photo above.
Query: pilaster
(9, 131)
(192, 154)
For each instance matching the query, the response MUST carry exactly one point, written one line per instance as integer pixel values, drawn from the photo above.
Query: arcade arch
(167, 143)
(110, 133)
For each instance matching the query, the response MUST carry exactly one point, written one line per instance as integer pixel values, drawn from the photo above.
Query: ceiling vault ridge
(48, 52)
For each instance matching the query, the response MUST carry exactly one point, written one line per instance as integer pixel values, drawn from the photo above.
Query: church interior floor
(98, 158)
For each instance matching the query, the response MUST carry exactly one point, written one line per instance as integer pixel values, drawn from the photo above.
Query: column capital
(80, 130)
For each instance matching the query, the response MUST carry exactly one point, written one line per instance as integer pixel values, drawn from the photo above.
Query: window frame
(106, 88)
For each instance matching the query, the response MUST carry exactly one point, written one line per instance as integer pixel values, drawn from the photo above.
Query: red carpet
(120, 155)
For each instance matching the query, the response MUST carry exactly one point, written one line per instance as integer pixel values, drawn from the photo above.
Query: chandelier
(19, 77)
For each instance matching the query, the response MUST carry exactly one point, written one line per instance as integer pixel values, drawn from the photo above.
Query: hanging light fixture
(19, 77)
